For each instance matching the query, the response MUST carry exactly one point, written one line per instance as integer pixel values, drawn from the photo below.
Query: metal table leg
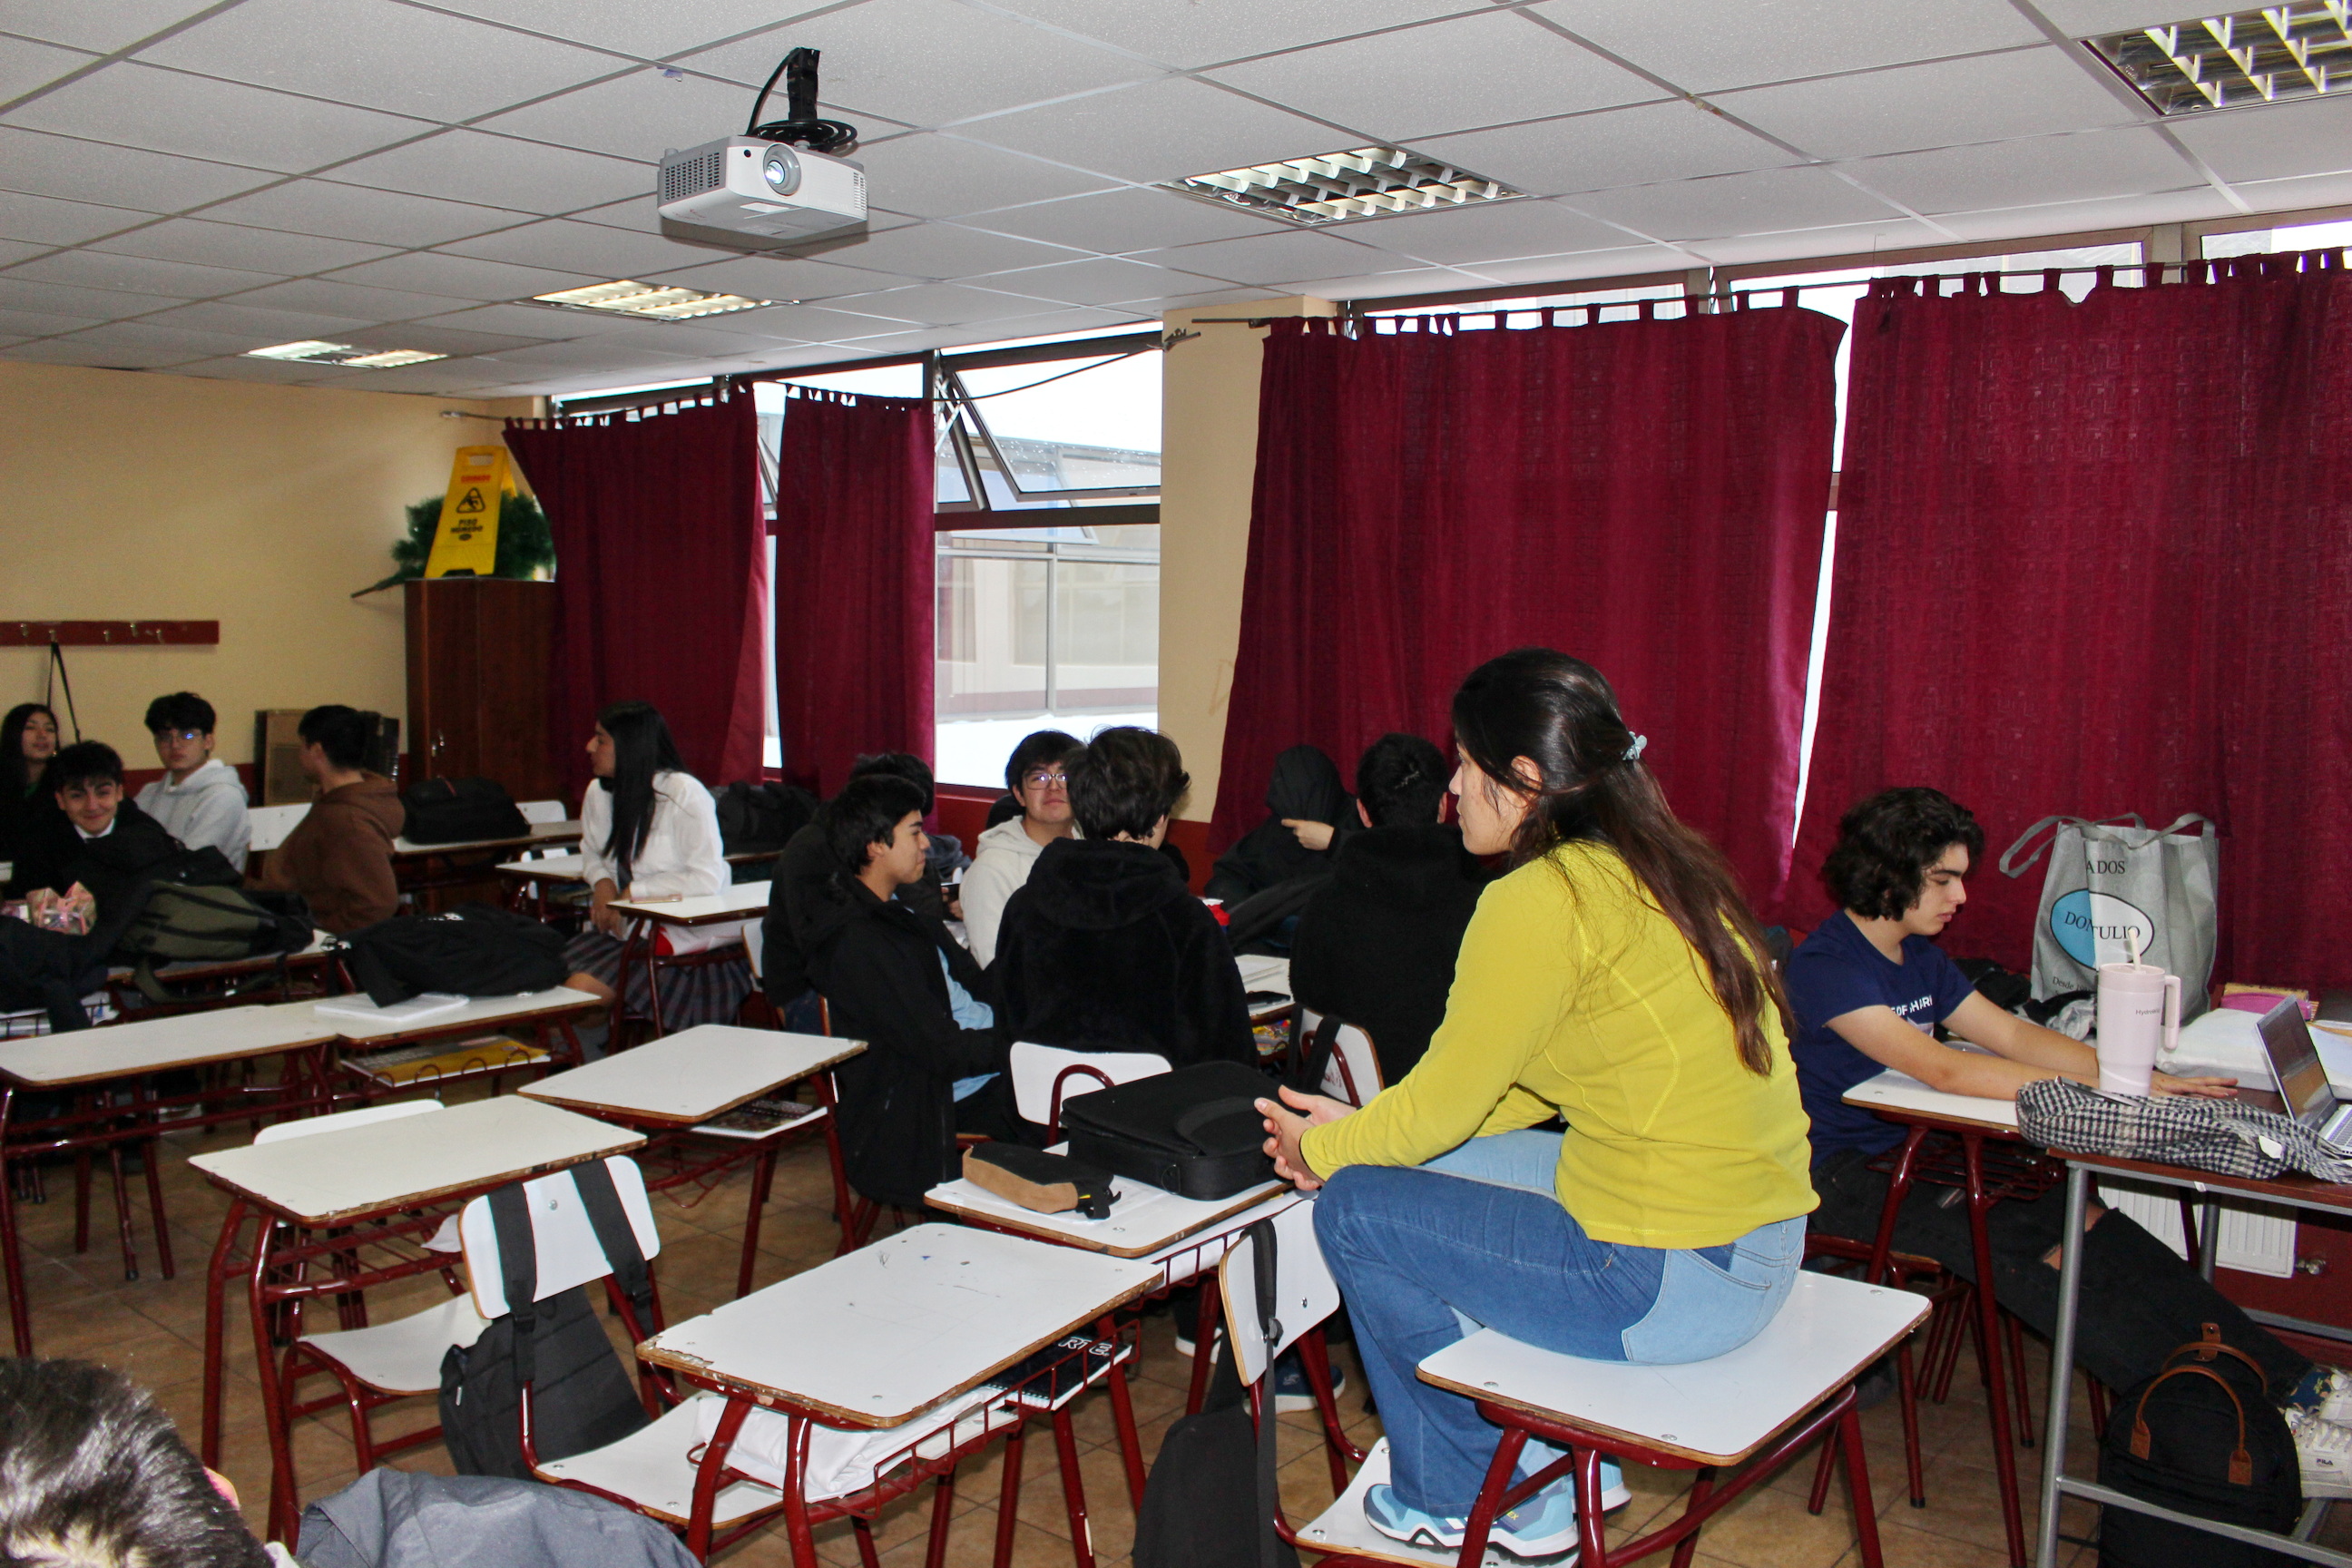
(2061, 1360)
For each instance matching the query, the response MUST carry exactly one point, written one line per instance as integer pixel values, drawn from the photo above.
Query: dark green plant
(525, 545)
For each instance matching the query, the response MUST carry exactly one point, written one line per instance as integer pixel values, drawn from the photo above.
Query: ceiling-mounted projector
(777, 187)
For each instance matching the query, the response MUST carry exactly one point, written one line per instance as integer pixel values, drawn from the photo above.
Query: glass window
(2262, 241)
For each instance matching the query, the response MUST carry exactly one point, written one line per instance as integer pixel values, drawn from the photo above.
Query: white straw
(2131, 943)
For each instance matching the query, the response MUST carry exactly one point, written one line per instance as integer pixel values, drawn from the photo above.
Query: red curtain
(2094, 559)
(1647, 495)
(661, 577)
(855, 583)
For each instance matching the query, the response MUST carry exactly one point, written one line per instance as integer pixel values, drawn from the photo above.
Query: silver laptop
(2302, 1083)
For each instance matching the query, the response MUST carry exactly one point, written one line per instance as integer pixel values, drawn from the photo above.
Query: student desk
(2298, 1192)
(2014, 1171)
(876, 1337)
(572, 871)
(133, 1055)
(668, 1088)
(211, 983)
(384, 1185)
(423, 867)
(554, 1010)
(737, 902)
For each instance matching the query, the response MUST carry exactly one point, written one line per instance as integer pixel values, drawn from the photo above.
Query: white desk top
(555, 868)
(693, 1075)
(328, 1176)
(1144, 1222)
(1262, 972)
(541, 833)
(739, 900)
(876, 1337)
(480, 1010)
(191, 1039)
(1892, 1091)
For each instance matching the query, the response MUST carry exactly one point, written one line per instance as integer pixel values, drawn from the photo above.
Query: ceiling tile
(2275, 141)
(1160, 130)
(946, 304)
(655, 28)
(641, 115)
(1843, 239)
(501, 171)
(39, 323)
(2090, 18)
(1387, 285)
(1275, 259)
(26, 65)
(539, 322)
(928, 62)
(100, 28)
(435, 339)
(1765, 202)
(945, 251)
(928, 175)
(44, 220)
(181, 340)
(779, 278)
(2027, 222)
(66, 166)
(1457, 234)
(1469, 71)
(386, 56)
(1213, 297)
(1054, 324)
(1535, 270)
(2287, 195)
(328, 297)
(1107, 282)
(235, 367)
(1201, 32)
(351, 211)
(96, 356)
(169, 111)
(263, 327)
(446, 376)
(13, 250)
(1615, 147)
(2027, 92)
(103, 269)
(1127, 219)
(20, 293)
(235, 245)
(1703, 46)
(460, 277)
(592, 354)
(592, 249)
(640, 215)
(2038, 170)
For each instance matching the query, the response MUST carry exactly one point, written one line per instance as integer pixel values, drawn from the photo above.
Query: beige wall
(134, 496)
(1208, 461)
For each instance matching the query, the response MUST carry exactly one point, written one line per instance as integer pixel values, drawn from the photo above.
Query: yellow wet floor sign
(467, 539)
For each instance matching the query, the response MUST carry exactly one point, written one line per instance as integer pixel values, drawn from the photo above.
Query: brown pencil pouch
(1039, 1181)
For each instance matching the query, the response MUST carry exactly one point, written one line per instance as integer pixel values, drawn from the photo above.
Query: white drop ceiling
(182, 182)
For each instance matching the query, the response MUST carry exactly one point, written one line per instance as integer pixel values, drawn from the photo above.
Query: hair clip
(1633, 752)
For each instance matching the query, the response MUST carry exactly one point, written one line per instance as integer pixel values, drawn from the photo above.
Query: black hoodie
(1104, 949)
(1305, 787)
(1376, 945)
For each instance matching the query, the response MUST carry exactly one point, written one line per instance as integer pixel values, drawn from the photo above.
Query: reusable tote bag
(2111, 880)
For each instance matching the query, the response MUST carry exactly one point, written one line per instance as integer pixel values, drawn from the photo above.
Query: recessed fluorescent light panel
(1370, 182)
(2269, 56)
(314, 352)
(648, 301)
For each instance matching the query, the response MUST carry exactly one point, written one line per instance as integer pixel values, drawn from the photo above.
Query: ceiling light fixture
(1333, 187)
(649, 301)
(315, 353)
(2269, 56)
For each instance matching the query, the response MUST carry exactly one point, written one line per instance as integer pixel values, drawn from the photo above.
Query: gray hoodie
(1005, 855)
(205, 807)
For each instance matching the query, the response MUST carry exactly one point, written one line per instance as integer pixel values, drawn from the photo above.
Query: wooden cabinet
(479, 652)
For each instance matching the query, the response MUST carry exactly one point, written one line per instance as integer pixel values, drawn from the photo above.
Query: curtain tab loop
(2106, 277)
(1649, 310)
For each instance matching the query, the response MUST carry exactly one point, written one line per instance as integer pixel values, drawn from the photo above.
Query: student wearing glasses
(199, 800)
(1037, 776)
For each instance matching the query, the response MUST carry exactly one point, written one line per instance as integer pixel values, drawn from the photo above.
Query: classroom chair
(268, 826)
(1041, 1074)
(539, 810)
(1351, 1068)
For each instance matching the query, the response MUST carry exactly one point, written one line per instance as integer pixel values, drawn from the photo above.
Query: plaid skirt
(704, 993)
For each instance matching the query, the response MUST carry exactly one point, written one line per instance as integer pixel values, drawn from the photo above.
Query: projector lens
(781, 171)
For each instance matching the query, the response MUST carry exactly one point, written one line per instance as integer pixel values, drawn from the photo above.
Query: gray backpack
(176, 923)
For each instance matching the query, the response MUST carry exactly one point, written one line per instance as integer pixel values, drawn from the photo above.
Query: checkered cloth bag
(2176, 1130)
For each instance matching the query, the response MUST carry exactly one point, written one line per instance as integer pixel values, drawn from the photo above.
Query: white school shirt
(683, 854)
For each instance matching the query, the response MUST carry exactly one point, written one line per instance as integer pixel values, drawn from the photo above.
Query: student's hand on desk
(2206, 1088)
(600, 909)
(1284, 1126)
(1310, 834)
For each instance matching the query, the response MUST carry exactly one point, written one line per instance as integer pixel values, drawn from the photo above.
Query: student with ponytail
(1613, 978)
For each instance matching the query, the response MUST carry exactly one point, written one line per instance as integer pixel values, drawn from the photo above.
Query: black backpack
(48, 969)
(758, 818)
(1196, 1132)
(581, 1396)
(474, 950)
(1211, 1500)
(450, 811)
(2200, 1437)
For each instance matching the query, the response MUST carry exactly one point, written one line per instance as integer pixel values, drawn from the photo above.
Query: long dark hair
(16, 778)
(641, 749)
(1559, 713)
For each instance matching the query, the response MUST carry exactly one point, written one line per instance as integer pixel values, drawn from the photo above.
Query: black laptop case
(1195, 1131)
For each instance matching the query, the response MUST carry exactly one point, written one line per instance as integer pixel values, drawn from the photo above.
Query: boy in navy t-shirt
(1868, 988)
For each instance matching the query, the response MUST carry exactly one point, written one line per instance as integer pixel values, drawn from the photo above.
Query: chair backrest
(568, 1252)
(1353, 1073)
(543, 811)
(270, 825)
(1304, 1291)
(1044, 1076)
(279, 1132)
(755, 947)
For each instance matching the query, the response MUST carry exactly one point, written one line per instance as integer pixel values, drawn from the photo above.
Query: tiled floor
(152, 1329)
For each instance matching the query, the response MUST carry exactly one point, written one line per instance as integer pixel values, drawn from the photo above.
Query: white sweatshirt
(1001, 861)
(208, 807)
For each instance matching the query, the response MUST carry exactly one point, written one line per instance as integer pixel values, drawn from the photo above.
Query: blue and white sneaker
(1291, 1389)
(1543, 1526)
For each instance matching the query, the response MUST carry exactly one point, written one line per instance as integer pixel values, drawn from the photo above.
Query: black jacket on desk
(1376, 945)
(879, 966)
(1105, 949)
(797, 901)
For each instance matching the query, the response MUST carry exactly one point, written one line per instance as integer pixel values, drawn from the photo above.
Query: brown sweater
(339, 857)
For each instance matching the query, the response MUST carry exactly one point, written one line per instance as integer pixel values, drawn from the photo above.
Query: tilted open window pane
(1061, 428)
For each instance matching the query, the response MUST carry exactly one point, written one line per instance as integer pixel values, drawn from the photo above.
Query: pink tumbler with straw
(2139, 1014)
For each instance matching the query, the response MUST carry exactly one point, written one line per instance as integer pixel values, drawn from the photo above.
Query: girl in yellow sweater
(1613, 978)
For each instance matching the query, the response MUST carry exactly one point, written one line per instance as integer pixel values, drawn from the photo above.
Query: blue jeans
(1472, 1236)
